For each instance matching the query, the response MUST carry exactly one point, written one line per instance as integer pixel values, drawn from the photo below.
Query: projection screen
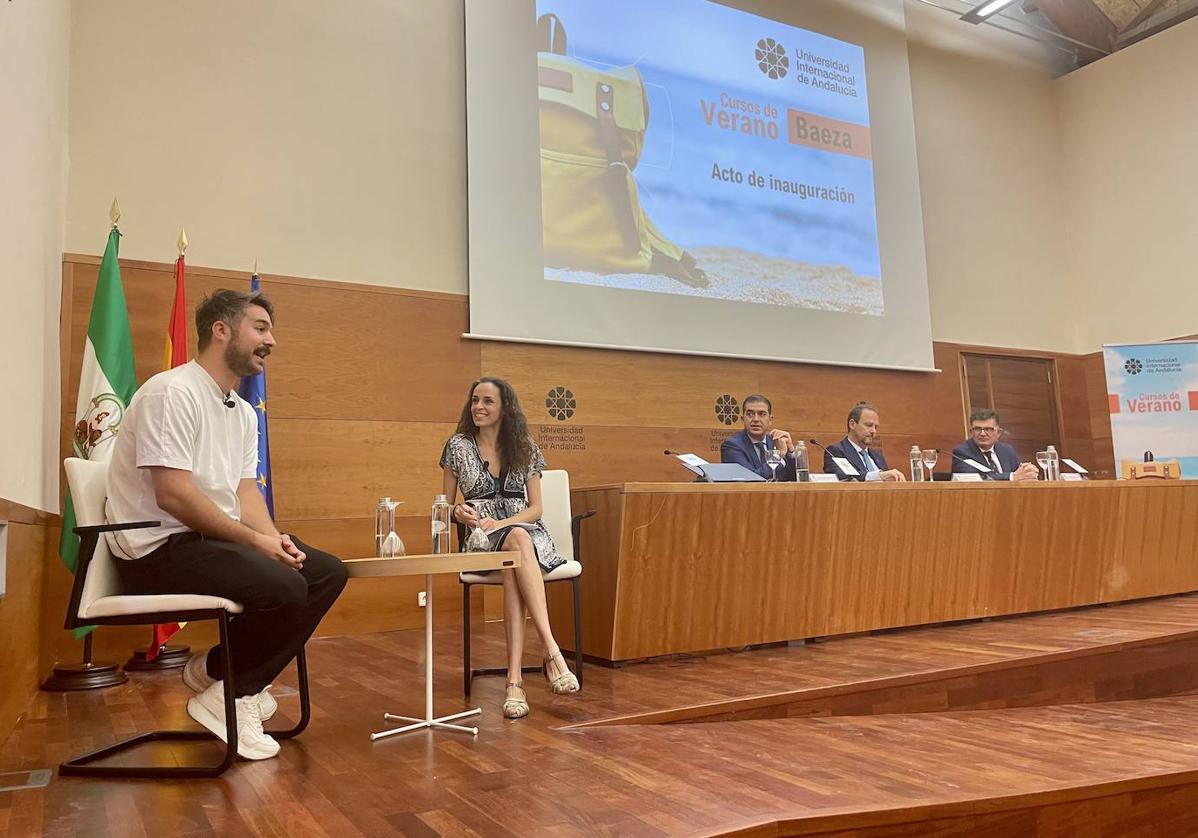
(688, 176)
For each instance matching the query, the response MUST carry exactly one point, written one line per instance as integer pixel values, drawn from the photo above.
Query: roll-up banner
(1152, 389)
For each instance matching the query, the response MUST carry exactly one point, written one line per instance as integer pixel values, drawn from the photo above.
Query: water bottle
(916, 464)
(386, 542)
(1053, 472)
(440, 524)
(802, 468)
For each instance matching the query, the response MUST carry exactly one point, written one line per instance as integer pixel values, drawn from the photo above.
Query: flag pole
(158, 655)
(87, 675)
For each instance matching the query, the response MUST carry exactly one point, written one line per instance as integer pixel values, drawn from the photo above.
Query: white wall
(34, 61)
(1130, 123)
(325, 139)
(989, 151)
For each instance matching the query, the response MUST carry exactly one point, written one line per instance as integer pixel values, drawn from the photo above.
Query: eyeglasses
(757, 414)
(976, 430)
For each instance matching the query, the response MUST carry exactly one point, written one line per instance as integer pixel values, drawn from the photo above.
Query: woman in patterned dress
(494, 462)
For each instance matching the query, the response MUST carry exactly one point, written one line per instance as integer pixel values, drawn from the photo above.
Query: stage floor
(1075, 722)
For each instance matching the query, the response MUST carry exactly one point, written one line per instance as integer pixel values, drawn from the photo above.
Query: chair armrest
(99, 528)
(576, 530)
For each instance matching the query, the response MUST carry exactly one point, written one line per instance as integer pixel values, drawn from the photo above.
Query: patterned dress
(501, 497)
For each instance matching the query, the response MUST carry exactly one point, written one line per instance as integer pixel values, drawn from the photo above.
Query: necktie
(992, 461)
(870, 465)
(760, 446)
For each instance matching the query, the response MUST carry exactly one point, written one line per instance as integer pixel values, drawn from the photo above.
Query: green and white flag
(106, 382)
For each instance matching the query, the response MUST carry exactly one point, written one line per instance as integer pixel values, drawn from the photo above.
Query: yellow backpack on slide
(592, 132)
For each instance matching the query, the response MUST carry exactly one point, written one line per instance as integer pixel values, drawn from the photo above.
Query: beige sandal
(564, 683)
(515, 706)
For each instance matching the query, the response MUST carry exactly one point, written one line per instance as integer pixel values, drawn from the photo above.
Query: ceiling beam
(1150, 28)
(1142, 15)
(1082, 21)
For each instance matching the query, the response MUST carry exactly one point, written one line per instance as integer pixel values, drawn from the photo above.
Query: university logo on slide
(1133, 366)
(771, 58)
(727, 410)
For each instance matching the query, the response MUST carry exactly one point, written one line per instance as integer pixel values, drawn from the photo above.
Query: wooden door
(1024, 392)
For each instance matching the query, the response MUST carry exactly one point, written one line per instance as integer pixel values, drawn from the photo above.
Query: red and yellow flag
(174, 355)
(176, 330)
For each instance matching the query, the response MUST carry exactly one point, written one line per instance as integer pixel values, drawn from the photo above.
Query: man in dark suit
(983, 447)
(863, 427)
(750, 448)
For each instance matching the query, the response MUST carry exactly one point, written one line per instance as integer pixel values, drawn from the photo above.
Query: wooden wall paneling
(598, 454)
(1100, 415)
(357, 353)
(383, 603)
(1076, 421)
(325, 468)
(344, 351)
(620, 388)
(20, 609)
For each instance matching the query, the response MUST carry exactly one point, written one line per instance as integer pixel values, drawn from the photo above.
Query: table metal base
(420, 724)
(428, 721)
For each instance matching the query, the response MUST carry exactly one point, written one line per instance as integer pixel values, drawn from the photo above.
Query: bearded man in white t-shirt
(187, 457)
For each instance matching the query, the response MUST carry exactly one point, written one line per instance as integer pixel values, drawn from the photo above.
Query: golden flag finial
(114, 211)
(182, 242)
(255, 266)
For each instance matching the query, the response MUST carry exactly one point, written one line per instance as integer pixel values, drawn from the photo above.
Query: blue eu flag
(253, 390)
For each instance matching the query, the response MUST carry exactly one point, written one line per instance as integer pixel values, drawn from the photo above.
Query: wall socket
(422, 599)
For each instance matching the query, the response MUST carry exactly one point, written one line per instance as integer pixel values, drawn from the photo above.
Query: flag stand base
(84, 676)
(169, 657)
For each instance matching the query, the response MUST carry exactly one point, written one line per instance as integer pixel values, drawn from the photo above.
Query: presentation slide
(692, 177)
(754, 160)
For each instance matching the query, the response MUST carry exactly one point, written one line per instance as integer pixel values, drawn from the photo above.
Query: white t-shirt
(178, 419)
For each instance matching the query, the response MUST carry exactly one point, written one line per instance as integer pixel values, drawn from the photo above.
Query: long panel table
(685, 567)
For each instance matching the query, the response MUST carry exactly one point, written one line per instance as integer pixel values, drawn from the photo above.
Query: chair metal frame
(82, 766)
(468, 672)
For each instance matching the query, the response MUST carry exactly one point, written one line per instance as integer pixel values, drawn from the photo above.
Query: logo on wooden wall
(727, 410)
(560, 403)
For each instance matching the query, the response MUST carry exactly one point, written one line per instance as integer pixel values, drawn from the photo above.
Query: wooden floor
(1074, 723)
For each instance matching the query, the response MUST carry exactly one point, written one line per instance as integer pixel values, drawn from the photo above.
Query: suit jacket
(738, 449)
(845, 449)
(1008, 460)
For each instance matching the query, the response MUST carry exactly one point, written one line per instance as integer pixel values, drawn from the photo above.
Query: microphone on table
(824, 449)
(702, 474)
(972, 468)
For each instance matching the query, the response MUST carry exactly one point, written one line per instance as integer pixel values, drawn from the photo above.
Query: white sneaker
(195, 673)
(266, 703)
(208, 708)
(195, 676)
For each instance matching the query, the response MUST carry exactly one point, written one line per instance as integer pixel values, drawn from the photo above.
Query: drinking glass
(773, 459)
(930, 457)
(477, 541)
(1042, 462)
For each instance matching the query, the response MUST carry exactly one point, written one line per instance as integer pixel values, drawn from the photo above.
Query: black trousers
(283, 606)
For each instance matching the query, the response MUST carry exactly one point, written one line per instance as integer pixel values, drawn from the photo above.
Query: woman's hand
(464, 513)
(489, 525)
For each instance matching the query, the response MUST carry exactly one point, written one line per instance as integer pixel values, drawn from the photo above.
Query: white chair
(96, 599)
(555, 513)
